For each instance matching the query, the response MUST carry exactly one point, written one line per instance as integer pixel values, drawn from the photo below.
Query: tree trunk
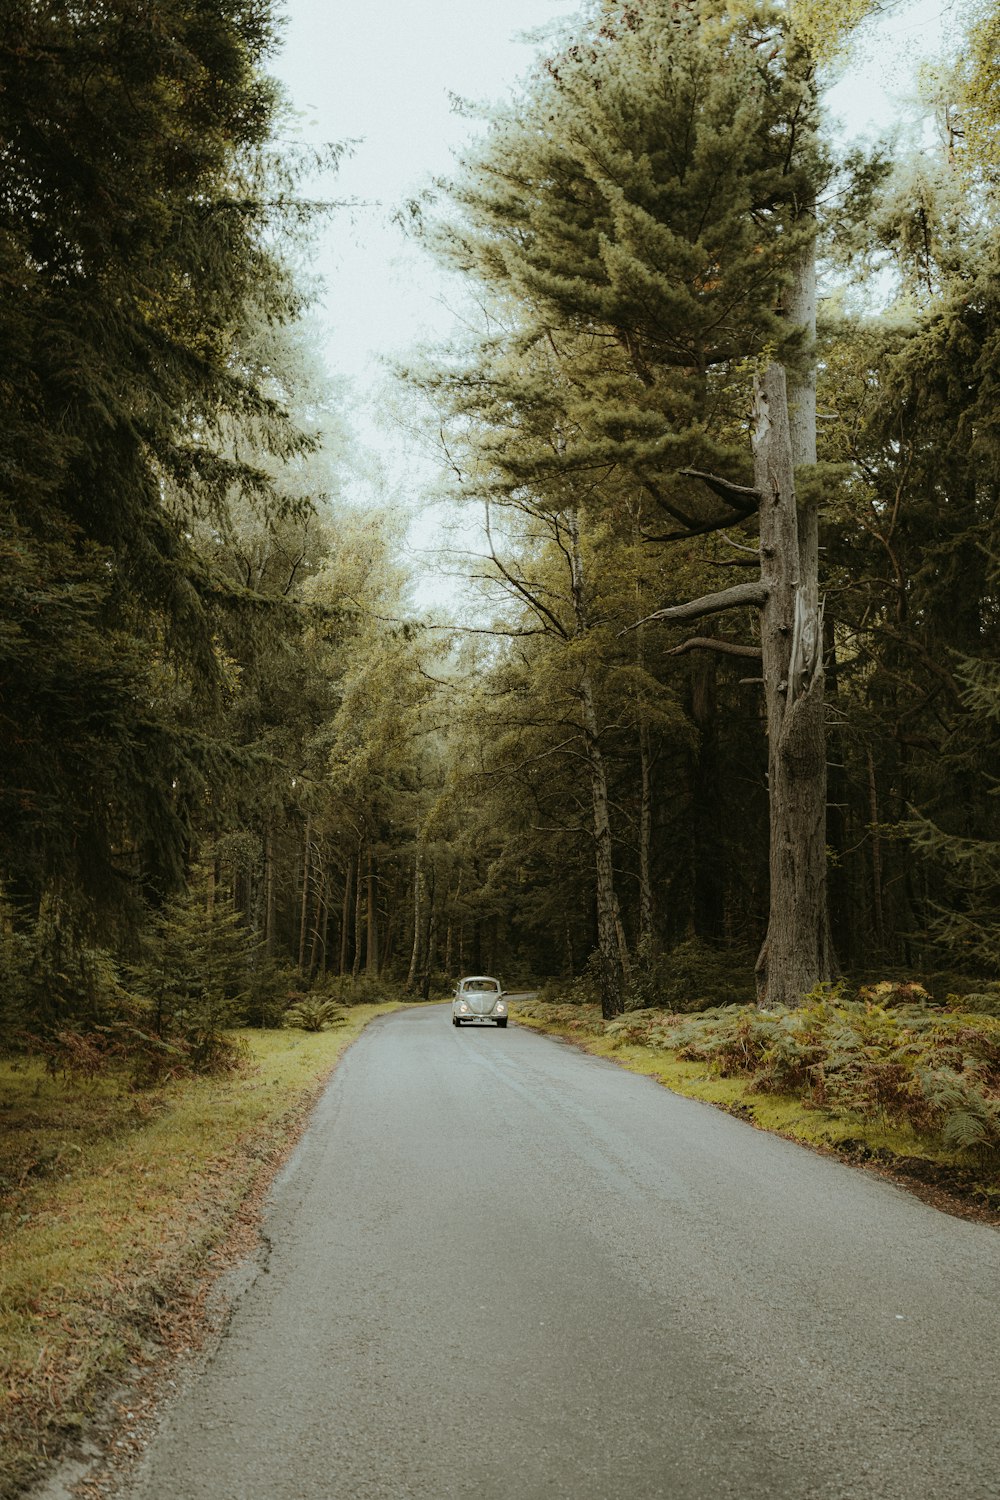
(645, 838)
(707, 883)
(411, 975)
(796, 954)
(612, 951)
(345, 918)
(358, 919)
(876, 847)
(324, 936)
(842, 928)
(269, 891)
(371, 947)
(429, 932)
(304, 902)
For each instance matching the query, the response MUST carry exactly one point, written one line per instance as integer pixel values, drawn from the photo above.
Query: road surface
(502, 1268)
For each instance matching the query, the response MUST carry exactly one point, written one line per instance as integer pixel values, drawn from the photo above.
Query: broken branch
(738, 597)
(713, 643)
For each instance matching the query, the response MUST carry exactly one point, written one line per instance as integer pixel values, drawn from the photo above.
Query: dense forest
(717, 719)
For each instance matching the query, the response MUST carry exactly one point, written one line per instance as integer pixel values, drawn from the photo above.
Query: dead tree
(796, 954)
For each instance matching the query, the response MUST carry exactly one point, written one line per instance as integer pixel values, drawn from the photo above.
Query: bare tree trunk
(358, 919)
(269, 890)
(324, 936)
(645, 837)
(304, 902)
(876, 854)
(411, 975)
(645, 760)
(796, 953)
(371, 948)
(706, 826)
(429, 932)
(345, 918)
(611, 946)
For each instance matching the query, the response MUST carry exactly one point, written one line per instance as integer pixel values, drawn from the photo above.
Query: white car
(479, 1001)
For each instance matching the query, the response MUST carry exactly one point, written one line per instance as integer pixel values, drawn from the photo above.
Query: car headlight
(500, 1005)
(463, 1006)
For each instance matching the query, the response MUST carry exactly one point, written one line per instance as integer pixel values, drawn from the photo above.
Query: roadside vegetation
(246, 783)
(883, 1073)
(117, 1206)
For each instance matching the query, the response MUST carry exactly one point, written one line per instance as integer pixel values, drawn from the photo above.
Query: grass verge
(957, 1180)
(114, 1205)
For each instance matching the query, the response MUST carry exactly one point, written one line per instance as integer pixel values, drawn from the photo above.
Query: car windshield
(481, 984)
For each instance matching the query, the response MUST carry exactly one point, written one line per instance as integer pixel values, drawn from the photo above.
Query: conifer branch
(744, 498)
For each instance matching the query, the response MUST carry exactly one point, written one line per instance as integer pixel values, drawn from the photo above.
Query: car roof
(467, 977)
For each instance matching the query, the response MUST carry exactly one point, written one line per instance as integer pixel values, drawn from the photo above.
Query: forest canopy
(722, 721)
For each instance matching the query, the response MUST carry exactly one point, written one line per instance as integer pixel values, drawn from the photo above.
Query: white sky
(383, 72)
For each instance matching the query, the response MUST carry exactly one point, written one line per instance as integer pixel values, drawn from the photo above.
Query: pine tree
(136, 205)
(195, 970)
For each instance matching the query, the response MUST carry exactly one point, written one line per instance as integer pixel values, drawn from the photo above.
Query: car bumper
(479, 1020)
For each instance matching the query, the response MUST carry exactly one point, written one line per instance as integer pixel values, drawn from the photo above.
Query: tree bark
(645, 773)
(269, 891)
(415, 948)
(612, 951)
(796, 953)
(707, 884)
(304, 902)
(876, 847)
(358, 917)
(345, 918)
(371, 946)
(645, 835)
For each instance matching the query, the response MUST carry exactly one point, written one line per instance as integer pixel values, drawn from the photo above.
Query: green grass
(111, 1205)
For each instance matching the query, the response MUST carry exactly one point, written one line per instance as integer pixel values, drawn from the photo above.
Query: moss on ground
(114, 1204)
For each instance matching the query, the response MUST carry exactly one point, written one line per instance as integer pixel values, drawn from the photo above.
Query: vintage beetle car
(479, 1000)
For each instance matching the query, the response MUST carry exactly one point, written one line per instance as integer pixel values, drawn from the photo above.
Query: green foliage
(979, 1002)
(271, 988)
(312, 1013)
(693, 976)
(938, 1073)
(51, 978)
(138, 210)
(195, 970)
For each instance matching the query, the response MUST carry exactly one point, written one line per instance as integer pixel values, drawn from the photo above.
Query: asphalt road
(501, 1268)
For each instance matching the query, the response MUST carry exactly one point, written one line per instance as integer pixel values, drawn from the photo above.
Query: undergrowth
(900, 1062)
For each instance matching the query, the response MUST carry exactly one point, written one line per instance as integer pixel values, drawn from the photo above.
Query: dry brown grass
(112, 1206)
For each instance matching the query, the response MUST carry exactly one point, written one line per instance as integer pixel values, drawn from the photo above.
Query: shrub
(937, 1072)
(698, 976)
(892, 992)
(270, 989)
(981, 1003)
(313, 1013)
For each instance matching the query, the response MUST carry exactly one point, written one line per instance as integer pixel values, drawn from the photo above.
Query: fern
(314, 1015)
